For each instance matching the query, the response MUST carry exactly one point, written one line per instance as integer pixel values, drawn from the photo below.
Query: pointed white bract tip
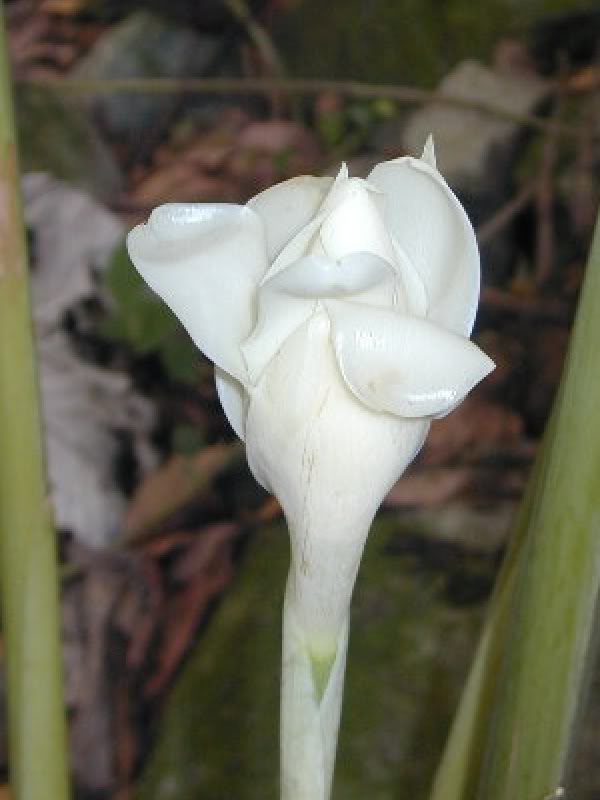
(343, 172)
(428, 155)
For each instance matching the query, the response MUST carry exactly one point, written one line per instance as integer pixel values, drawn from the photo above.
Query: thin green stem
(311, 702)
(28, 571)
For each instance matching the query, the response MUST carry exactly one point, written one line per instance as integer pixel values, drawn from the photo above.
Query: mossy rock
(409, 650)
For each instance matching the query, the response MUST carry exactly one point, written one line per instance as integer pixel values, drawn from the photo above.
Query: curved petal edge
(205, 261)
(404, 365)
(428, 221)
(234, 401)
(287, 207)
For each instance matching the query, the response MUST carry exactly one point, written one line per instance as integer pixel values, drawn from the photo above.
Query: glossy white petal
(288, 299)
(278, 317)
(307, 239)
(415, 296)
(297, 248)
(205, 261)
(234, 400)
(401, 364)
(355, 225)
(287, 207)
(432, 228)
(320, 277)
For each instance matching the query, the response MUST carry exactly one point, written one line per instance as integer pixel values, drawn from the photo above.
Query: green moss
(398, 41)
(219, 737)
(408, 653)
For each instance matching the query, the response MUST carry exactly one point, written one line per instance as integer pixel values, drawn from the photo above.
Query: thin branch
(352, 89)
(541, 308)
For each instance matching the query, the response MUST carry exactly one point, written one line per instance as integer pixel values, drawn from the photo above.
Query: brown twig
(542, 308)
(352, 89)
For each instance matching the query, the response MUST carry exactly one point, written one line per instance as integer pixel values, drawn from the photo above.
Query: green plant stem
(514, 730)
(311, 704)
(28, 569)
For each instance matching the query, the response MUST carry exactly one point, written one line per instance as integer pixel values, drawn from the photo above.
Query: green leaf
(140, 319)
(514, 731)
(548, 646)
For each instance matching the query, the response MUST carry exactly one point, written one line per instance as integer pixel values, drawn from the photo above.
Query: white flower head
(338, 314)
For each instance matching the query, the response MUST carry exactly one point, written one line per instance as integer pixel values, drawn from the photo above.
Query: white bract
(338, 314)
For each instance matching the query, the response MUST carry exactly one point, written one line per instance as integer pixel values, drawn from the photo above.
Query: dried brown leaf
(180, 480)
(210, 569)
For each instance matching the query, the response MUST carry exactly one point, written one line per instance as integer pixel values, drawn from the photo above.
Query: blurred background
(173, 559)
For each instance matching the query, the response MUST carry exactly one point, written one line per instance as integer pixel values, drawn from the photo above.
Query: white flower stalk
(337, 314)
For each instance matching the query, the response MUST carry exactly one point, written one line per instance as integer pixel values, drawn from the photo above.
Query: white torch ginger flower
(338, 316)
